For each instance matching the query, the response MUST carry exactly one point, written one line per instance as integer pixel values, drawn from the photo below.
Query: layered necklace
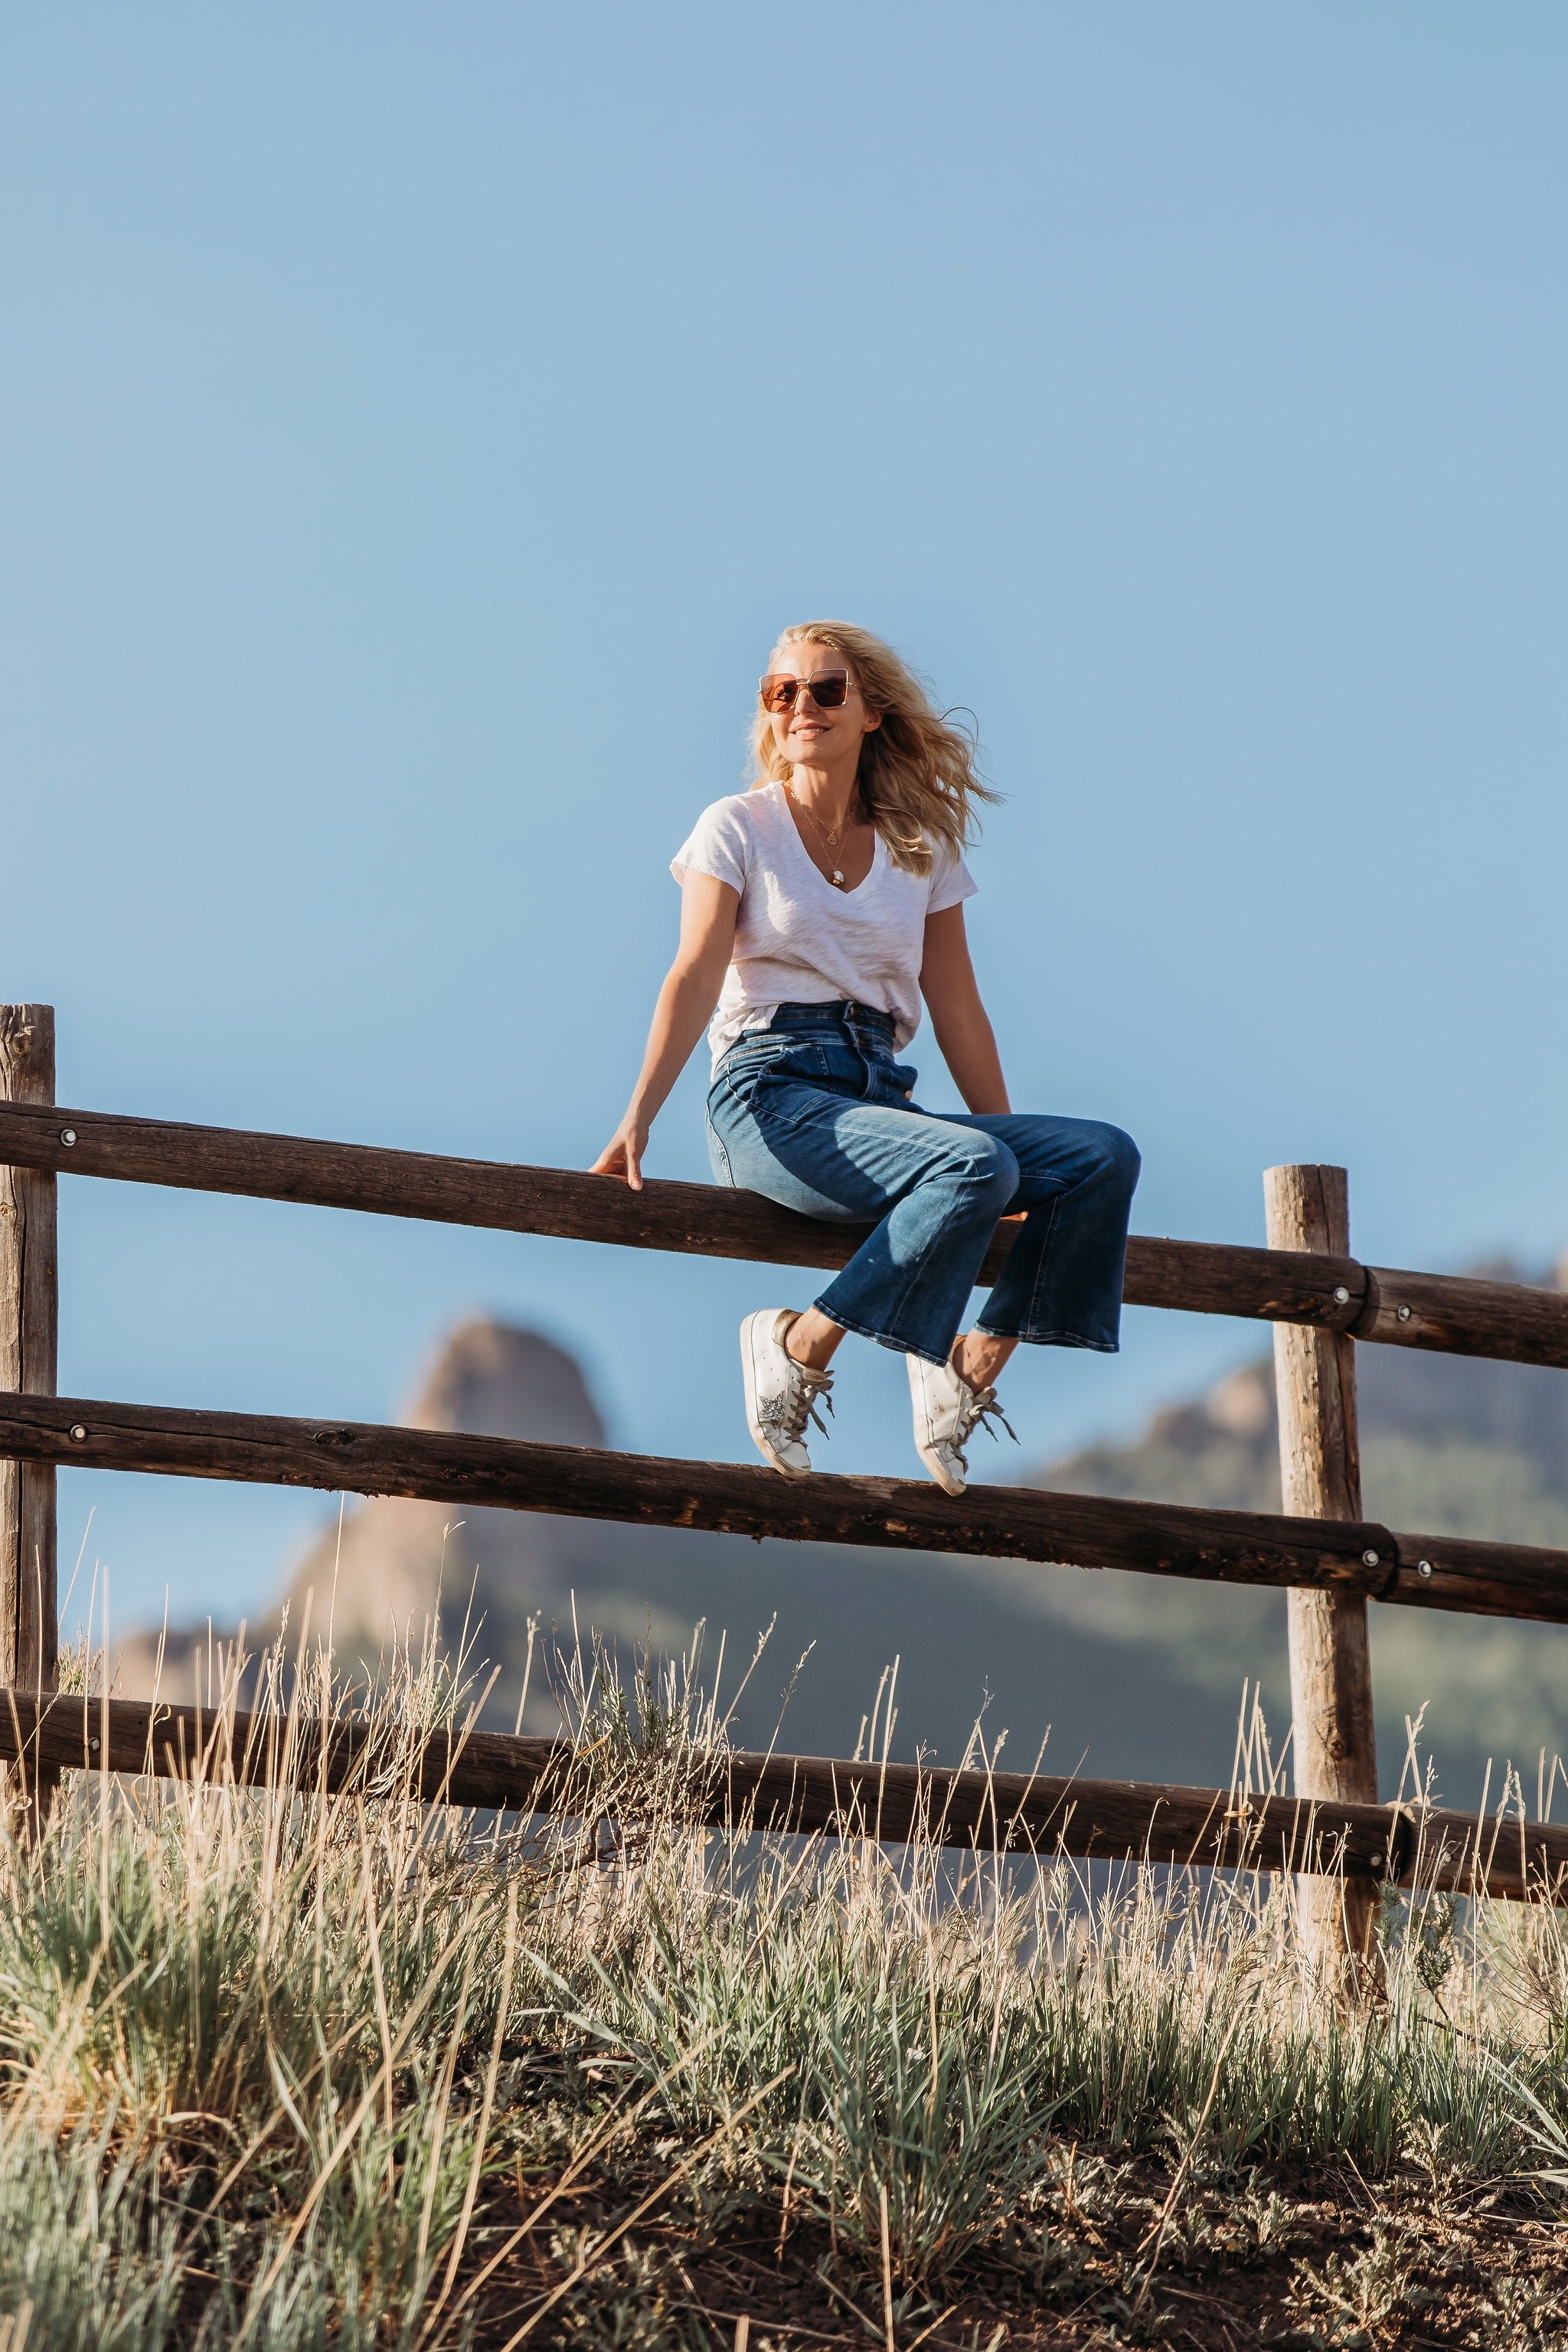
(829, 841)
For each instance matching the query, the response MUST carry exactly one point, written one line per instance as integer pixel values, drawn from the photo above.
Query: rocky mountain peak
(495, 1379)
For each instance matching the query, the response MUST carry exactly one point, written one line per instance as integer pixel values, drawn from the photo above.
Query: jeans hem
(1051, 1339)
(882, 1338)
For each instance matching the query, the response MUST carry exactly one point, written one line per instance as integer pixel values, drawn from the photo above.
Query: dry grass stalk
(279, 2070)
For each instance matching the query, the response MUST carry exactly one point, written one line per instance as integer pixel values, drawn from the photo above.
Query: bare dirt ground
(1105, 2256)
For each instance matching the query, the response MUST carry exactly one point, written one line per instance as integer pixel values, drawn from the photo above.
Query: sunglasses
(829, 690)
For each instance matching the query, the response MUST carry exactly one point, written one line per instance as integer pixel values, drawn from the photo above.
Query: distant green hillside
(1449, 1445)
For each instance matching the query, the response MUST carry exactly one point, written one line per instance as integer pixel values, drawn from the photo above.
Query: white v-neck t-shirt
(801, 940)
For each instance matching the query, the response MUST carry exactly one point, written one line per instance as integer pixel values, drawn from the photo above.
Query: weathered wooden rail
(1446, 1312)
(995, 1813)
(1317, 1296)
(1025, 1523)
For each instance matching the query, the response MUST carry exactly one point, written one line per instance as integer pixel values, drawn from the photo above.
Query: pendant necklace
(829, 841)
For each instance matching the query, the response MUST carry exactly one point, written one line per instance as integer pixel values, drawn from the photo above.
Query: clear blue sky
(417, 423)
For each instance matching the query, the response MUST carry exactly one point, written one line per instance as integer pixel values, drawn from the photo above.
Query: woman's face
(808, 736)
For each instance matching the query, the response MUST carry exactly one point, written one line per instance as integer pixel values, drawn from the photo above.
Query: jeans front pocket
(894, 1081)
(756, 1059)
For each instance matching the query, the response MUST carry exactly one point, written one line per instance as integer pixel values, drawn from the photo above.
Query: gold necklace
(829, 841)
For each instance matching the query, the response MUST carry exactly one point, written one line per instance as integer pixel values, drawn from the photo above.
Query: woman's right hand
(622, 1156)
(686, 1001)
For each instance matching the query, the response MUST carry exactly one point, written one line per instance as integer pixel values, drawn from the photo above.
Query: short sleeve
(718, 843)
(951, 880)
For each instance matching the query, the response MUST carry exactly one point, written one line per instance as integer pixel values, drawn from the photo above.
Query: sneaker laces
(980, 1412)
(790, 1412)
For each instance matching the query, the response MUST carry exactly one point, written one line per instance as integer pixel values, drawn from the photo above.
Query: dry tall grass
(284, 2071)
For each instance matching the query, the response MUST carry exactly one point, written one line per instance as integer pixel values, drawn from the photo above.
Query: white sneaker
(781, 1395)
(947, 1411)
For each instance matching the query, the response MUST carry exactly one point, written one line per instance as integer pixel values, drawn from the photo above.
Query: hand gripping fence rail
(1350, 1560)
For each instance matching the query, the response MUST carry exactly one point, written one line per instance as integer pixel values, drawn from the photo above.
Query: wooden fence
(1320, 1299)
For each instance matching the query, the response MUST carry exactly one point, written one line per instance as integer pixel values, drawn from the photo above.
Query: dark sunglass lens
(829, 691)
(779, 693)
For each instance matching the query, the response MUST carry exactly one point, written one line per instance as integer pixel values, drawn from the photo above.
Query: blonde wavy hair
(918, 781)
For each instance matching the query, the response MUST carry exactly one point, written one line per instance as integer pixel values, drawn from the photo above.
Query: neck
(827, 792)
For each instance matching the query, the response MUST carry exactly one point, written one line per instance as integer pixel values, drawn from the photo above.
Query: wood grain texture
(1511, 1320)
(1005, 1811)
(1332, 1740)
(1463, 1575)
(579, 1482)
(29, 1316)
(1258, 1285)
(1030, 1523)
(1455, 1315)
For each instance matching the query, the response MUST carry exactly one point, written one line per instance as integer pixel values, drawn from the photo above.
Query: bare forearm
(958, 1014)
(682, 1012)
(968, 1045)
(685, 1004)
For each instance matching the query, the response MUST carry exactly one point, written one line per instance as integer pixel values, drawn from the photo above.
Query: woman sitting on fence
(818, 908)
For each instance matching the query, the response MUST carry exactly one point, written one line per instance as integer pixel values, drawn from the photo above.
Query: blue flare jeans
(814, 1112)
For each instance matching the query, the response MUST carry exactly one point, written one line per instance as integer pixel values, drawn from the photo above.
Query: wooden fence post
(29, 1321)
(1320, 1467)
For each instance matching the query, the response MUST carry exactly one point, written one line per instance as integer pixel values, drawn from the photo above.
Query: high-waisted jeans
(814, 1113)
